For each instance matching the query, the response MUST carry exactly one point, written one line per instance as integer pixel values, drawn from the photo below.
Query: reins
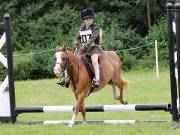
(69, 68)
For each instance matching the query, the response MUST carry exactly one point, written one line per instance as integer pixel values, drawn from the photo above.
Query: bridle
(64, 66)
(69, 68)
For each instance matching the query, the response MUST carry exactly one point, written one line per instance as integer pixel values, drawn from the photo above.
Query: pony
(80, 80)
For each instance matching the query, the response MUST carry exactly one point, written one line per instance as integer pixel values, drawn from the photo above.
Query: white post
(156, 53)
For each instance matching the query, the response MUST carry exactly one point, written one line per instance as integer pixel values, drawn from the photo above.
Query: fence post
(177, 19)
(10, 67)
(157, 62)
(170, 16)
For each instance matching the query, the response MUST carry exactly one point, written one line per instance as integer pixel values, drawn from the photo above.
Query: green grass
(144, 87)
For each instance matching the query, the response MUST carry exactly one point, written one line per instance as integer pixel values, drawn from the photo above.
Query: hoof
(125, 103)
(67, 85)
(70, 125)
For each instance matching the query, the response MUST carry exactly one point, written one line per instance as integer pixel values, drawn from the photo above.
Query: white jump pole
(51, 122)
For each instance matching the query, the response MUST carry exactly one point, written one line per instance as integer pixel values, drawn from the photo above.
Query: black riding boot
(64, 82)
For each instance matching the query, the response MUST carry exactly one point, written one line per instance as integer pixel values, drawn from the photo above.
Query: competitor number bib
(85, 35)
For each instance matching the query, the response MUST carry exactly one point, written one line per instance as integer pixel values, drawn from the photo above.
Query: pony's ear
(64, 47)
(57, 49)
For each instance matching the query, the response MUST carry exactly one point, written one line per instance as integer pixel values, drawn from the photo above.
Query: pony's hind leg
(114, 92)
(121, 84)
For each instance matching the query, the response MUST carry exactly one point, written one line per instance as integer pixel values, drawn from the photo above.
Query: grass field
(144, 87)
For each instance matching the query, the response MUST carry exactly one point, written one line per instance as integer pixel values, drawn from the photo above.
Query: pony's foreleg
(71, 123)
(114, 92)
(78, 108)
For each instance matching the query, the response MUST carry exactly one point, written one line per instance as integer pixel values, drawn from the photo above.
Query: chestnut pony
(80, 81)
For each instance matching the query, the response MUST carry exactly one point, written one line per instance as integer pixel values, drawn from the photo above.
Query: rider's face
(88, 21)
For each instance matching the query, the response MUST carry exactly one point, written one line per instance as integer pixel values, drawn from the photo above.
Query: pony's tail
(123, 83)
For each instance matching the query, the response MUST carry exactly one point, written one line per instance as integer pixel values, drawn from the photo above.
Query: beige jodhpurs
(95, 63)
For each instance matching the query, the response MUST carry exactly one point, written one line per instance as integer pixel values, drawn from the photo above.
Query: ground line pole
(173, 84)
(10, 67)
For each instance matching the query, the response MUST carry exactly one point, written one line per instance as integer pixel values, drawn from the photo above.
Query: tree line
(44, 24)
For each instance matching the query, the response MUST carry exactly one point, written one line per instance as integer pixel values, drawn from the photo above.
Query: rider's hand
(80, 56)
(83, 49)
(74, 46)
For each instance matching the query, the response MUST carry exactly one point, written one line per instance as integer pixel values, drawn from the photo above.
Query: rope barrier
(50, 50)
(134, 48)
(33, 53)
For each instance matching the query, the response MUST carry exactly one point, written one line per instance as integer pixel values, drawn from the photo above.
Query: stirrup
(64, 82)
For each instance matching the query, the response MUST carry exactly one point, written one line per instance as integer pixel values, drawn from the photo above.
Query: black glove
(83, 49)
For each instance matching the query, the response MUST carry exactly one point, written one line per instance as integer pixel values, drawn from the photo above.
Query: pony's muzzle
(57, 70)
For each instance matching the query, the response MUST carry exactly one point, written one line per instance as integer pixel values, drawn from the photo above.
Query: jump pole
(95, 108)
(51, 122)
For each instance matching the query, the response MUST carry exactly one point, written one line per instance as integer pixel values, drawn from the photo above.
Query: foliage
(41, 67)
(129, 61)
(34, 67)
(159, 32)
(3, 72)
(46, 31)
(44, 24)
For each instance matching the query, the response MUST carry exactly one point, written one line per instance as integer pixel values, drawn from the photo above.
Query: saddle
(90, 69)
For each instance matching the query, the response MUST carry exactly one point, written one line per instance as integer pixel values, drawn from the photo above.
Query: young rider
(89, 38)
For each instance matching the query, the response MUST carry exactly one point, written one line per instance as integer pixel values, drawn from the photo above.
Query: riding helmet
(87, 13)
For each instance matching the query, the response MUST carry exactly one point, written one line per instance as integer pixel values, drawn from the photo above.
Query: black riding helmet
(87, 13)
